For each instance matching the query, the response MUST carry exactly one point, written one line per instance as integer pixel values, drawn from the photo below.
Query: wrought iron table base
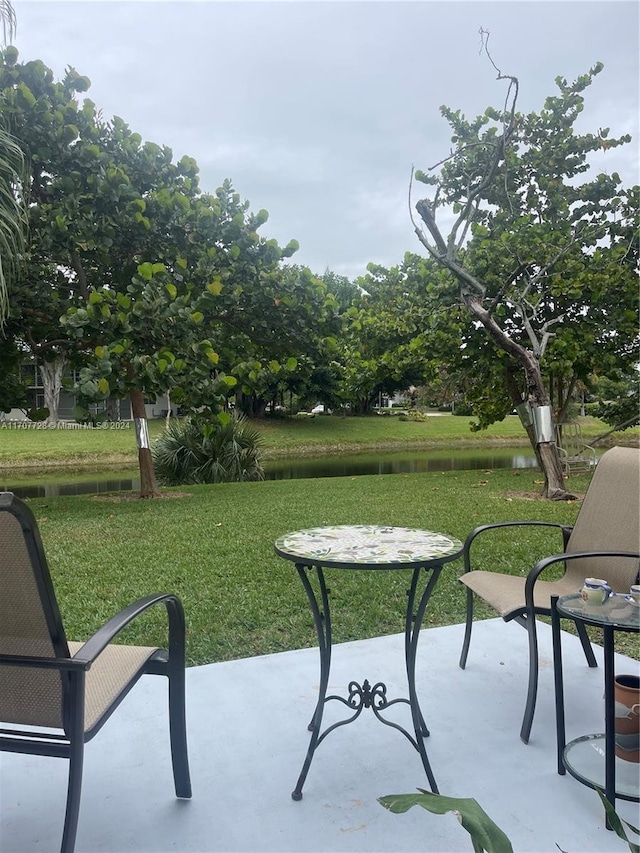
(363, 695)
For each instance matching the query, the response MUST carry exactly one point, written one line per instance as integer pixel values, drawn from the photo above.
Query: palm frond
(13, 214)
(13, 211)
(8, 20)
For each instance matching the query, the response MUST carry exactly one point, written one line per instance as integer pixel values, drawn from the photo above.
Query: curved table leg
(409, 649)
(322, 619)
(412, 635)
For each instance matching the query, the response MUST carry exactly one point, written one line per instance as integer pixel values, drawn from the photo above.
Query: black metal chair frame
(73, 671)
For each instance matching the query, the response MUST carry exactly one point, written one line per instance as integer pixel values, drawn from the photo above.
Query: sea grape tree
(535, 249)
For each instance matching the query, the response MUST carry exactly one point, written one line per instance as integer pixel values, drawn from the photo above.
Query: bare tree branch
(513, 84)
(409, 199)
(425, 209)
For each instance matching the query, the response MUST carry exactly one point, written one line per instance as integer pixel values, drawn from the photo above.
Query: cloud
(318, 110)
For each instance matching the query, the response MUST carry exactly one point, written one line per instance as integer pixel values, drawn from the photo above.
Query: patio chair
(604, 542)
(68, 690)
(575, 454)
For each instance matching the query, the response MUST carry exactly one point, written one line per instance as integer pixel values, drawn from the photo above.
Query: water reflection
(35, 489)
(352, 465)
(399, 463)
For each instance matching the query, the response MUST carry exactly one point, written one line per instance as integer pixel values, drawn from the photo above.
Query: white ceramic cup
(595, 591)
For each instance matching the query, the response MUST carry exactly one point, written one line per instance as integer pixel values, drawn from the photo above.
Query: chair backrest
(609, 520)
(30, 623)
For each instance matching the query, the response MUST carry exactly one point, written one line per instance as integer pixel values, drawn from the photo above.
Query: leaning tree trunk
(539, 403)
(148, 484)
(51, 373)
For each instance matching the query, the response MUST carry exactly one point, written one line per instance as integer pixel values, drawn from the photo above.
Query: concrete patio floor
(247, 735)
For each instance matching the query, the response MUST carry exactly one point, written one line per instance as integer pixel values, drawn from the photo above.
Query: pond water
(348, 465)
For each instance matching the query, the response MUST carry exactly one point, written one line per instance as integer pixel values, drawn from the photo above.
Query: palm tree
(12, 212)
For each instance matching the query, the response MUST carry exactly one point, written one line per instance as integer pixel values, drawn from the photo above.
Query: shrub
(413, 415)
(277, 413)
(463, 409)
(194, 451)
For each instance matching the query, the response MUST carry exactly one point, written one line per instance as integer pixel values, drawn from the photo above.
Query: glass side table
(374, 548)
(591, 759)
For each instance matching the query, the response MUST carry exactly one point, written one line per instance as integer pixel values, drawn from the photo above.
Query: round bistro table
(372, 548)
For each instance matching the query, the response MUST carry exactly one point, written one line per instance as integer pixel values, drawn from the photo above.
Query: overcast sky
(317, 110)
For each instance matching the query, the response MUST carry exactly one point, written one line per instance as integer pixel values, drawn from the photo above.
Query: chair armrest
(104, 635)
(540, 567)
(566, 532)
(35, 662)
(96, 644)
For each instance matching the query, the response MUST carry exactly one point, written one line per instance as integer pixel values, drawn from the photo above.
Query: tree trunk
(565, 395)
(259, 407)
(537, 397)
(148, 484)
(51, 373)
(549, 461)
(244, 404)
(112, 409)
(251, 405)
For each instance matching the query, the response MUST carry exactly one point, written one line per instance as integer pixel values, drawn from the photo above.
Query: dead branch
(409, 198)
(425, 209)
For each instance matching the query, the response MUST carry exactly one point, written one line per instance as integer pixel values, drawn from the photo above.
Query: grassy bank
(115, 447)
(213, 545)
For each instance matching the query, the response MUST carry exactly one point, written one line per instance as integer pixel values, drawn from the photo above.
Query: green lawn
(214, 547)
(100, 448)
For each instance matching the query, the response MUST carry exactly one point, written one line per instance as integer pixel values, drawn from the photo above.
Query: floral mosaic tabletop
(367, 546)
